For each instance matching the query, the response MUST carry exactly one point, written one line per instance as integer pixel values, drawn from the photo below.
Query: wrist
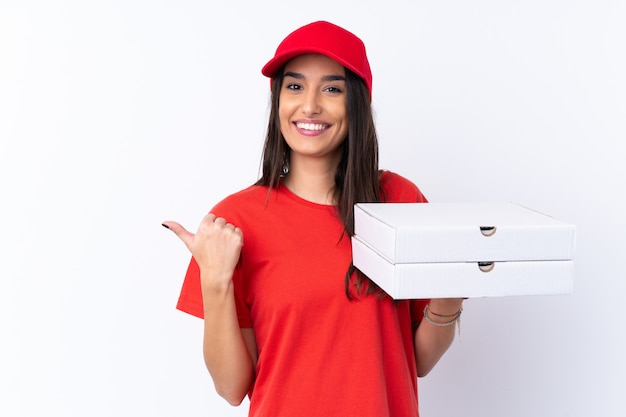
(445, 307)
(443, 320)
(213, 286)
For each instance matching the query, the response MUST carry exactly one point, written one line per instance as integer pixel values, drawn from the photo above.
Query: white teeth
(309, 126)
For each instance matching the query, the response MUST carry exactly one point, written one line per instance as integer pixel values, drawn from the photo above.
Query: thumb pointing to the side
(180, 231)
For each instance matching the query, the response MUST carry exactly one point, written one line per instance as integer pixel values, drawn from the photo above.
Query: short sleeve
(398, 189)
(417, 310)
(190, 298)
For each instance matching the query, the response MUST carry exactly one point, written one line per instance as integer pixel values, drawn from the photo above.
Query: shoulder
(398, 189)
(249, 198)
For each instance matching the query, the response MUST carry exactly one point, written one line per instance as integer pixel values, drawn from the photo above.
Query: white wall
(116, 115)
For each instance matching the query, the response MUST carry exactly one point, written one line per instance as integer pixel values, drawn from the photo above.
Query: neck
(312, 180)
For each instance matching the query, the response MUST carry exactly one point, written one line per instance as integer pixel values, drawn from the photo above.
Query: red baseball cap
(327, 39)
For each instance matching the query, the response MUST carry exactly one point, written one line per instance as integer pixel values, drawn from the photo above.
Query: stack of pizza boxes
(442, 250)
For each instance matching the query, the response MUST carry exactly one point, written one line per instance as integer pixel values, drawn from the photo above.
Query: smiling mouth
(316, 127)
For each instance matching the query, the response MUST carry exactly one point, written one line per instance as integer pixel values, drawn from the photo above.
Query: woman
(287, 319)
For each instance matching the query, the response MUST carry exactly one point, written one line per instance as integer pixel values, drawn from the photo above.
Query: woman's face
(312, 109)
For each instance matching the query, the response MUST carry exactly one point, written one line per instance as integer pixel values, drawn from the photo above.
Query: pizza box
(463, 279)
(435, 250)
(461, 232)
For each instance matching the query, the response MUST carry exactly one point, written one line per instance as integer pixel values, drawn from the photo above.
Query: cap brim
(271, 68)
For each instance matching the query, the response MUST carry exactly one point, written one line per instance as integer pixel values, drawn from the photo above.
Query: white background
(117, 115)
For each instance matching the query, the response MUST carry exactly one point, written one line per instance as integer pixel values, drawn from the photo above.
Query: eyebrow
(325, 78)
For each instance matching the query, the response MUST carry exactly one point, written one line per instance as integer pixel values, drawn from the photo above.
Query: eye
(293, 86)
(334, 90)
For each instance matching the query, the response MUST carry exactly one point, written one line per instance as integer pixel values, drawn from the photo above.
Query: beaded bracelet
(457, 318)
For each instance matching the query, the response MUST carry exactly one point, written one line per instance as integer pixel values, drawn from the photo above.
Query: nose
(311, 103)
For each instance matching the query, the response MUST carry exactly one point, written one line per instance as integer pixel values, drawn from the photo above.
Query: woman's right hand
(230, 353)
(216, 247)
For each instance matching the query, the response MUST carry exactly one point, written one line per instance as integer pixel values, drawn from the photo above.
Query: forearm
(228, 360)
(432, 341)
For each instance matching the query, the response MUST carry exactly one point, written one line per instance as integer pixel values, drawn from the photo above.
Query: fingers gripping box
(439, 250)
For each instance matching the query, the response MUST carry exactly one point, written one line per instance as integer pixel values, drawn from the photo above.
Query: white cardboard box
(463, 279)
(433, 250)
(453, 232)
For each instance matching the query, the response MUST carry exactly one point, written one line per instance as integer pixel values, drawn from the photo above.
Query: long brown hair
(357, 179)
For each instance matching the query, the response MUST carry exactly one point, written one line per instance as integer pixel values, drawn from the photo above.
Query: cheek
(342, 115)
(283, 121)
(340, 111)
(284, 112)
